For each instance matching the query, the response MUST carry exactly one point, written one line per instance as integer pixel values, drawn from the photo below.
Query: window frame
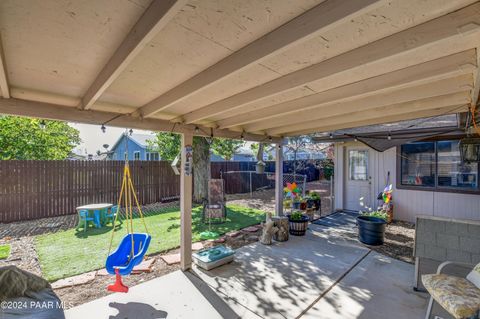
(367, 165)
(134, 156)
(435, 188)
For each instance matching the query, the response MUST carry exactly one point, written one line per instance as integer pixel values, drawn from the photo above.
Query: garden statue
(269, 230)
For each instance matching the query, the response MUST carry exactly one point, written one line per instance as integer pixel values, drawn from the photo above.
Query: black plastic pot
(310, 203)
(371, 230)
(296, 205)
(317, 203)
(298, 227)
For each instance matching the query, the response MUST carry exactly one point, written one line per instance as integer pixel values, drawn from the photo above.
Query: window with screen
(136, 155)
(437, 165)
(418, 164)
(358, 165)
(452, 172)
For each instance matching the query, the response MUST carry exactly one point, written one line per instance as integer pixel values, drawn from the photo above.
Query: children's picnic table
(97, 211)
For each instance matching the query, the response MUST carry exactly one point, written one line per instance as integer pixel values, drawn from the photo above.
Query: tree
(225, 148)
(258, 148)
(296, 144)
(166, 144)
(33, 139)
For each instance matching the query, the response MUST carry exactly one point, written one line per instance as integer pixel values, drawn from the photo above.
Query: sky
(93, 138)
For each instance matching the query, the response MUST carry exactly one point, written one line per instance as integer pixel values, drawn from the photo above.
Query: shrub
(378, 213)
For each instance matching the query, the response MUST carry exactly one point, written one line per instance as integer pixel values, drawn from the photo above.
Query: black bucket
(371, 230)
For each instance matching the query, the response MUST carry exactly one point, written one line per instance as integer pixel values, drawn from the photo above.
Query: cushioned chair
(214, 210)
(458, 296)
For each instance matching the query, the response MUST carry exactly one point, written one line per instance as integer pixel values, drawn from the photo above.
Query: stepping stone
(103, 272)
(234, 234)
(220, 240)
(171, 259)
(75, 280)
(144, 266)
(250, 229)
(197, 246)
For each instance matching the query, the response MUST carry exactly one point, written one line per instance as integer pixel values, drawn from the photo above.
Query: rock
(252, 238)
(103, 272)
(75, 280)
(234, 234)
(144, 266)
(197, 246)
(220, 240)
(251, 229)
(171, 259)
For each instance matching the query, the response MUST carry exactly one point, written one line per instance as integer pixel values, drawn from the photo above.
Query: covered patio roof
(257, 69)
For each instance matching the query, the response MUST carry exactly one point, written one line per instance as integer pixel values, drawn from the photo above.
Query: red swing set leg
(118, 286)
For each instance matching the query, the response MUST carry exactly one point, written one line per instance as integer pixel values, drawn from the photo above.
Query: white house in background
(420, 158)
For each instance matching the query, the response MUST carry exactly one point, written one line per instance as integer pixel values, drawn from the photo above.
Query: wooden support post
(279, 179)
(186, 204)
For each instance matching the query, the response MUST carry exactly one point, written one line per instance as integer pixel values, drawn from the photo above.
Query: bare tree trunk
(261, 147)
(201, 168)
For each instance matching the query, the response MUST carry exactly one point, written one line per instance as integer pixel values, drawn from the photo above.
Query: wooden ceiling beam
(446, 67)
(26, 108)
(451, 33)
(446, 100)
(384, 120)
(155, 17)
(321, 18)
(4, 87)
(446, 86)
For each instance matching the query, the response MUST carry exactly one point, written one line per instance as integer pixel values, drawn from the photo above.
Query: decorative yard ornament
(291, 190)
(387, 194)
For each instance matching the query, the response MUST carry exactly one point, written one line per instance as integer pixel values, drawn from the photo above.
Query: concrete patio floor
(320, 275)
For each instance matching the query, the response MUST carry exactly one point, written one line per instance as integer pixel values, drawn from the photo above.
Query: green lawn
(72, 252)
(4, 251)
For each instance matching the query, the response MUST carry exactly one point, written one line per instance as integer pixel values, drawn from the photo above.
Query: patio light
(42, 124)
(103, 128)
(131, 132)
(242, 137)
(331, 135)
(197, 130)
(389, 136)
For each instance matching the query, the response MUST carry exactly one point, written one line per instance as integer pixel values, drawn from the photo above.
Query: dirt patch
(398, 243)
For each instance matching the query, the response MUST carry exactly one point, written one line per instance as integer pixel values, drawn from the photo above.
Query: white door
(358, 179)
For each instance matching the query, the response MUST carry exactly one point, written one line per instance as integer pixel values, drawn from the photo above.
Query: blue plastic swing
(120, 259)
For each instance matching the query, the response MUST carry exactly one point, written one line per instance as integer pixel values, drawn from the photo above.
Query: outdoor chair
(460, 297)
(110, 215)
(214, 209)
(84, 219)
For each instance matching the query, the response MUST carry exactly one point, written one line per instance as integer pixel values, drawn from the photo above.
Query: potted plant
(371, 227)
(316, 200)
(287, 203)
(303, 204)
(260, 167)
(297, 223)
(310, 201)
(296, 202)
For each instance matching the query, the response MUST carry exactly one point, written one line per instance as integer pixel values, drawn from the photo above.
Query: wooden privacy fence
(37, 189)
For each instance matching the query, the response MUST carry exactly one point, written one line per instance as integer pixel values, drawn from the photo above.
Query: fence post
(279, 179)
(251, 188)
